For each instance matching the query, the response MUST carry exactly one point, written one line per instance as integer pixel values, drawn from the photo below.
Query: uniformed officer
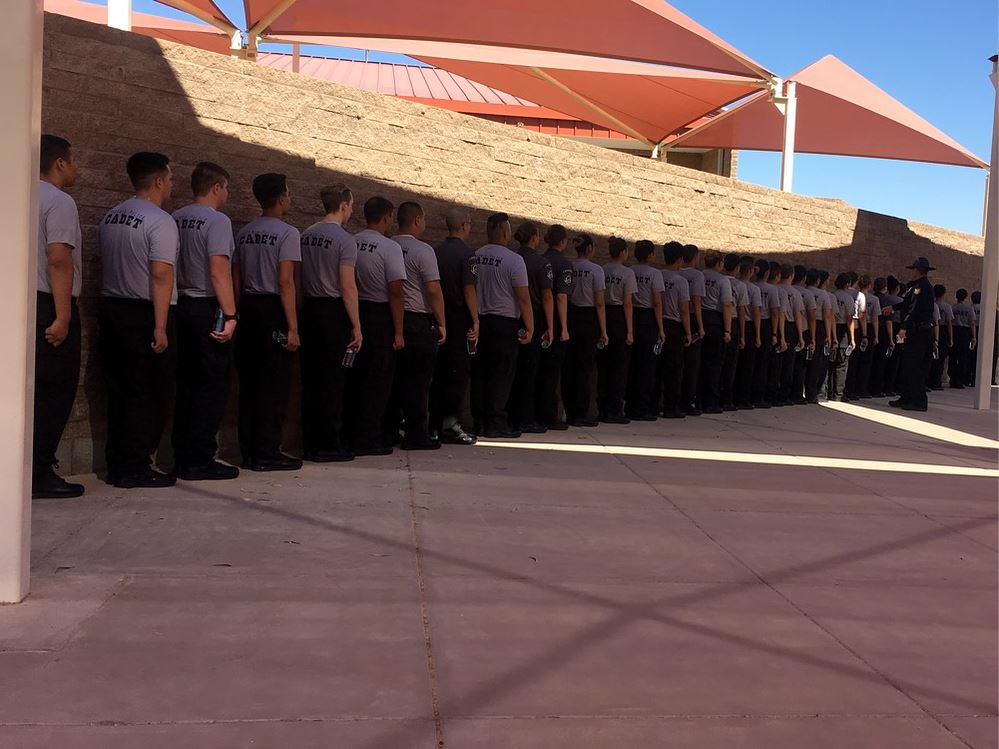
(449, 389)
(380, 274)
(717, 313)
(268, 251)
(766, 368)
(540, 278)
(331, 325)
(424, 329)
(677, 325)
(962, 357)
(588, 323)
(204, 353)
(740, 314)
(642, 402)
(550, 365)
(614, 360)
(137, 243)
(57, 319)
(872, 312)
(751, 343)
(692, 353)
(506, 322)
(916, 332)
(945, 335)
(806, 308)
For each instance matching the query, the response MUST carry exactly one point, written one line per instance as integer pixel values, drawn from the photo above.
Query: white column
(20, 131)
(790, 124)
(296, 57)
(990, 271)
(120, 14)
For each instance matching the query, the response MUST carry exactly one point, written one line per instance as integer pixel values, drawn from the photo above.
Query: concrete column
(296, 57)
(790, 125)
(120, 14)
(20, 131)
(990, 269)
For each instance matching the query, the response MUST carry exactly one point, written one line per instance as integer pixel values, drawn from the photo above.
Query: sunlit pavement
(799, 577)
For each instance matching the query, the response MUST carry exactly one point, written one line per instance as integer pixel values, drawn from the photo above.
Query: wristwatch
(227, 318)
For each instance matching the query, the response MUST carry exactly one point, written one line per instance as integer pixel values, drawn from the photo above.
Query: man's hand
(801, 342)
(441, 335)
(901, 336)
(759, 342)
(565, 334)
(629, 339)
(293, 341)
(57, 332)
(473, 332)
(159, 343)
(548, 337)
(700, 333)
(527, 337)
(356, 339)
(603, 340)
(688, 340)
(227, 332)
(727, 337)
(398, 343)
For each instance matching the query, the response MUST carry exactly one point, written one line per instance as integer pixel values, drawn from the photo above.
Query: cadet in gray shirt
(962, 355)
(137, 245)
(57, 319)
(423, 302)
(588, 323)
(717, 312)
(381, 277)
(205, 290)
(677, 324)
(331, 327)
(642, 401)
(689, 393)
(267, 253)
(614, 361)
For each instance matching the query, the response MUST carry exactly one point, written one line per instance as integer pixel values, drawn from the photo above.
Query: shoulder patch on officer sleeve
(549, 273)
(567, 277)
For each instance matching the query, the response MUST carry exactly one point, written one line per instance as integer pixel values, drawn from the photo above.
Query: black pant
(879, 361)
(712, 358)
(939, 366)
(962, 358)
(787, 359)
(730, 362)
(57, 374)
(839, 364)
(865, 363)
(326, 333)
(642, 369)
(851, 388)
(202, 382)
(672, 363)
(580, 365)
(815, 370)
(892, 368)
(765, 367)
(799, 368)
(369, 383)
(413, 373)
(137, 380)
(264, 368)
(493, 371)
(449, 388)
(742, 390)
(549, 375)
(521, 405)
(915, 366)
(691, 371)
(612, 364)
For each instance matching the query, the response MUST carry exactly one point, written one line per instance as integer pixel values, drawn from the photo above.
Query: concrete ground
(496, 597)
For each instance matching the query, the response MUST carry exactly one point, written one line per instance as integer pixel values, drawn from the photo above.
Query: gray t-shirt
(695, 282)
(740, 292)
(873, 305)
(769, 300)
(946, 312)
(420, 262)
(847, 305)
(964, 315)
(131, 236)
(676, 290)
(587, 280)
(204, 233)
(650, 283)
(58, 223)
(755, 298)
(260, 246)
(326, 248)
(717, 291)
(619, 281)
(379, 262)
(501, 271)
(784, 297)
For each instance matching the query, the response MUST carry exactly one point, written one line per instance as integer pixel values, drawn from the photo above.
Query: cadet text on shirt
(131, 236)
(650, 283)
(204, 233)
(619, 281)
(326, 248)
(587, 280)
(501, 272)
(260, 246)
(379, 262)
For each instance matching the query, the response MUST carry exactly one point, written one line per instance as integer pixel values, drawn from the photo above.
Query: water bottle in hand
(348, 357)
(657, 348)
(219, 324)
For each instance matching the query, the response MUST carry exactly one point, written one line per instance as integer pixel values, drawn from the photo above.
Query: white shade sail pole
(120, 14)
(790, 124)
(990, 271)
(20, 128)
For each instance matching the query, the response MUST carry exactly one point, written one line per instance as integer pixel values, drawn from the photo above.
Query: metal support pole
(296, 57)
(120, 14)
(20, 132)
(990, 270)
(790, 124)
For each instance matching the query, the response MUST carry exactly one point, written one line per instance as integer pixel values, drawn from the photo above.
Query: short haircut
(746, 264)
(269, 188)
(144, 167)
(672, 251)
(891, 283)
(776, 270)
(823, 276)
(976, 297)
(712, 258)
(811, 277)
(799, 273)
(939, 290)
(731, 261)
(864, 281)
(527, 231)
(644, 249)
(690, 252)
(334, 196)
(205, 176)
(616, 246)
(843, 280)
(961, 295)
(408, 213)
(555, 234)
(786, 270)
(853, 276)
(494, 222)
(457, 217)
(377, 208)
(582, 242)
(52, 149)
(879, 284)
(762, 268)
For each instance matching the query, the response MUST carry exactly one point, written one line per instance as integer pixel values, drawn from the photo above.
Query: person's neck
(334, 218)
(207, 200)
(273, 213)
(152, 197)
(377, 228)
(457, 236)
(53, 179)
(409, 231)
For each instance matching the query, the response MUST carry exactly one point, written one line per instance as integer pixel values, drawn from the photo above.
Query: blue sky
(934, 60)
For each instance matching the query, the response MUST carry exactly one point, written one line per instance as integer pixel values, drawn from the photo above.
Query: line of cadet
(396, 336)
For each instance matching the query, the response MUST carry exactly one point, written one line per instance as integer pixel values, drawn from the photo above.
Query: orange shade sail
(839, 113)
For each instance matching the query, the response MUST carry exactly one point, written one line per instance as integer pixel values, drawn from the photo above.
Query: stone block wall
(112, 93)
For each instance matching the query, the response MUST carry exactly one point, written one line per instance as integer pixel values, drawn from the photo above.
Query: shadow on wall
(113, 93)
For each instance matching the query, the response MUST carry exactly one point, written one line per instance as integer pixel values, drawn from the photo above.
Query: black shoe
(146, 478)
(729, 407)
(643, 417)
(214, 471)
(863, 397)
(812, 402)
(533, 429)
(896, 403)
(329, 456)
(848, 399)
(882, 395)
(714, 410)
(692, 411)
(674, 415)
(799, 402)
(48, 485)
(421, 445)
(745, 407)
(761, 404)
(557, 426)
(957, 387)
(374, 450)
(911, 407)
(616, 419)
(455, 435)
(507, 434)
(585, 423)
(276, 463)
(938, 388)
